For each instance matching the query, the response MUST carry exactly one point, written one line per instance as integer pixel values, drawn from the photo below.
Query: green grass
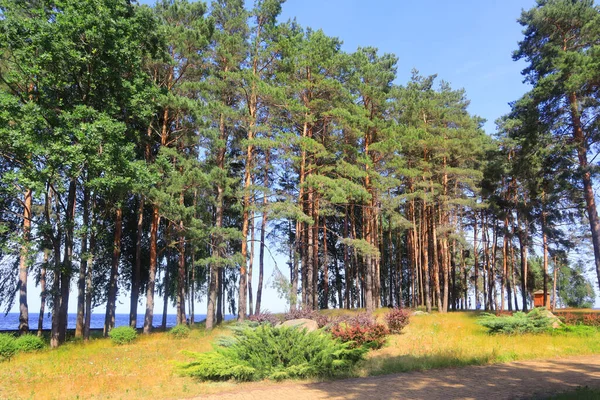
(146, 368)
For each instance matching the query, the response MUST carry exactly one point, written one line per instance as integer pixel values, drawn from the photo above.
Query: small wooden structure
(538, 298)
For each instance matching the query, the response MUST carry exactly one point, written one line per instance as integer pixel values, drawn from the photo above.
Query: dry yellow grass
(146, 368)
(454, 339)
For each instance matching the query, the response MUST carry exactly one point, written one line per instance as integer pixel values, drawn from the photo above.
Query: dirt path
(514, 380)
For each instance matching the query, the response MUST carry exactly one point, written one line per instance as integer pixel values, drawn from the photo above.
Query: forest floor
(515, 380)
(430, 344)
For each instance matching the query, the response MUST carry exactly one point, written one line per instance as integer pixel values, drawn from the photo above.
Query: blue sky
(468, 43)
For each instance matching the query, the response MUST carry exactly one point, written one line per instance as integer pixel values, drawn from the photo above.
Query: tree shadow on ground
(518, 380)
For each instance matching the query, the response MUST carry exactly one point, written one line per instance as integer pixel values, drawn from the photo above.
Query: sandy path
(514, 380)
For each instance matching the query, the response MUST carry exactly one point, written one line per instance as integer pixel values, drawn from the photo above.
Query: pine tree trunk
(347, 267)
(325, 267)
(65, 277)
(43, 293)
(111, 303)
(588, 188)
(523, 246)
(83, 265)
(263, 228)
(425, 258)
(475, 263)
(181, 282)
(137, 271)
(149, 315)
(23, 265)
(89, 276)
(166, 284)
(251, 265)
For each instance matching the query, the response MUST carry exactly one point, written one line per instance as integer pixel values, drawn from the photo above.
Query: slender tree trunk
(425, 258)
(555, 269)
(89, 276)
(43, 293)
(23, 265)
(263, 228)
(523, 246)
(586, 176)
(475, 263)
(181, 317)
(149, 315)
(435, 259)
(325, 267)
(545, 258)
(65, 276)
(251, 264)
(137, 271)
(111, 304)
(296, 256)
(83, 265)
(221, 295)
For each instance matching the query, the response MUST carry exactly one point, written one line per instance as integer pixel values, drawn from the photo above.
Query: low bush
(180, 331)
(397, 319)
(591, 319)
(264, 317)
(28, 343)
(360, 331)
(8, 348)
(122, 335)
(533, 322)
(274, 353)
(569, 318)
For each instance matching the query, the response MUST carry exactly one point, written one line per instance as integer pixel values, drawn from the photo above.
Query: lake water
(10, 321)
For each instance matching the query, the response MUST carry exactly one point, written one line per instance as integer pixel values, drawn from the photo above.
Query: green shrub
(8, 348)
(122, 335)
(180, 331)
(28, 343)
(273, 353)
(533, 322)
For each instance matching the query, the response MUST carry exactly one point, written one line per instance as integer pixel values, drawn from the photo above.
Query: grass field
(146, 368)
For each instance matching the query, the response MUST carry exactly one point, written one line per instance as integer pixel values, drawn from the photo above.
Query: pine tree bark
(263, 228)
(111, 303)
(251, 264)
(149, 315)
(83, 265)
(137, 269)
(43, 293)
(586, 177)
(65, 276)
(23, 264)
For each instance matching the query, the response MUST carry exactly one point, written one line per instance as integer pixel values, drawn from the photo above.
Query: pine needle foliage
(278, 353)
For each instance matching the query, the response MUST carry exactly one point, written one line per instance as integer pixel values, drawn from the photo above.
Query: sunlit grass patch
(147, 368)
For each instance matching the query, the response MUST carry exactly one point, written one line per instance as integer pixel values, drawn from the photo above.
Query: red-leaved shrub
(360, 330)
(569, 318)
(592, 319)
(397, 319)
